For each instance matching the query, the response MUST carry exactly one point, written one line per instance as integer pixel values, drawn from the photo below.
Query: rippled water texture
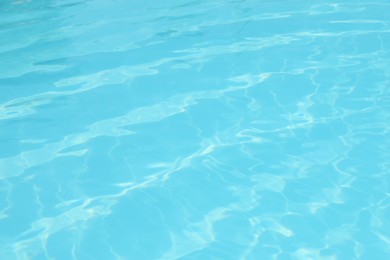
(202, 130)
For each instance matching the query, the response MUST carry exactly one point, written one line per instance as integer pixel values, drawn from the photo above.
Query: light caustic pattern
(194, 129)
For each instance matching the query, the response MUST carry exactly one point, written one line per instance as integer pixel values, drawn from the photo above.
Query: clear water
(194, 129)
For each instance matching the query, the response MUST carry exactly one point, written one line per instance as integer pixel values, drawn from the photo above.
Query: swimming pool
(194, 129)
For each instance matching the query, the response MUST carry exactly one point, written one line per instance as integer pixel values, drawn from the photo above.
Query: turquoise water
(194, 129)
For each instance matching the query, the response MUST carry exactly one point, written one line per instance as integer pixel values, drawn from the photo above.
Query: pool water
(180, 129)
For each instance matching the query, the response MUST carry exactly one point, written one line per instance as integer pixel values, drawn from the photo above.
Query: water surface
(194, 129)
